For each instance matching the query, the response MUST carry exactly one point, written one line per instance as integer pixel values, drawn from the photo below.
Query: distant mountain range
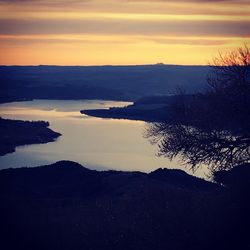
(98, 82)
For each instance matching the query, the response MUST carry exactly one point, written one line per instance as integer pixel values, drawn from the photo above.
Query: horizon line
(101, 65)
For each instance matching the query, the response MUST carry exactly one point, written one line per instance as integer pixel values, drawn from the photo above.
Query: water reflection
(94, 142)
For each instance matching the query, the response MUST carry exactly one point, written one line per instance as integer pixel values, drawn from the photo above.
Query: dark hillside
(66, 206)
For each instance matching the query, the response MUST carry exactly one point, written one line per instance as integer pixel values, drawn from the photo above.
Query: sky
(120, 32)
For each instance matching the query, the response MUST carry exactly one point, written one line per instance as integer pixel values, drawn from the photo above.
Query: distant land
(66, 206)
(15, 133)
(149, 109)
(121, 83)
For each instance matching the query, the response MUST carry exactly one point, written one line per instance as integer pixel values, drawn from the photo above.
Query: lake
(96, 143)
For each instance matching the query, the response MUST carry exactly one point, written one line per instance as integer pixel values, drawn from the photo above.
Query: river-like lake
(96, 143)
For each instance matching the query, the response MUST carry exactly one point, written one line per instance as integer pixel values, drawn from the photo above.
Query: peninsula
(15, 133)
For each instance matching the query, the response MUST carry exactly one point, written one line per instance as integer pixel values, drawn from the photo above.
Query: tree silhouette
(213, 127)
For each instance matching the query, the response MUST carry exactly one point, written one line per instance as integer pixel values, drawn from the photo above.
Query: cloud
(216, 7)
(190, 41)
(110, 2)
(43, 1)
(126, 27)
(129, 1)
(15, 40)
(194, 1)
(48, 3)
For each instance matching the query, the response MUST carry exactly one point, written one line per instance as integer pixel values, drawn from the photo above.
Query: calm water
(96, 143)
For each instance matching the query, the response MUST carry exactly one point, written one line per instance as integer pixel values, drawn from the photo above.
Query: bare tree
(211, 128)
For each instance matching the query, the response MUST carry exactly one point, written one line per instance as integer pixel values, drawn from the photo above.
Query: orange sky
(101, 32)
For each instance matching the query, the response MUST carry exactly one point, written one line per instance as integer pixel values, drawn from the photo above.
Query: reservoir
(95, 143)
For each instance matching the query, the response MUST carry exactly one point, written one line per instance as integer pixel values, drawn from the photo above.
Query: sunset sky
(118, 32)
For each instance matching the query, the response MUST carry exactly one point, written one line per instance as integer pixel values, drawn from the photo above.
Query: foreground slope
(66, 206)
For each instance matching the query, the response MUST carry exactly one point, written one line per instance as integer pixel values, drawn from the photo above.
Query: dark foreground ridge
(66, 206)
(15, 133)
